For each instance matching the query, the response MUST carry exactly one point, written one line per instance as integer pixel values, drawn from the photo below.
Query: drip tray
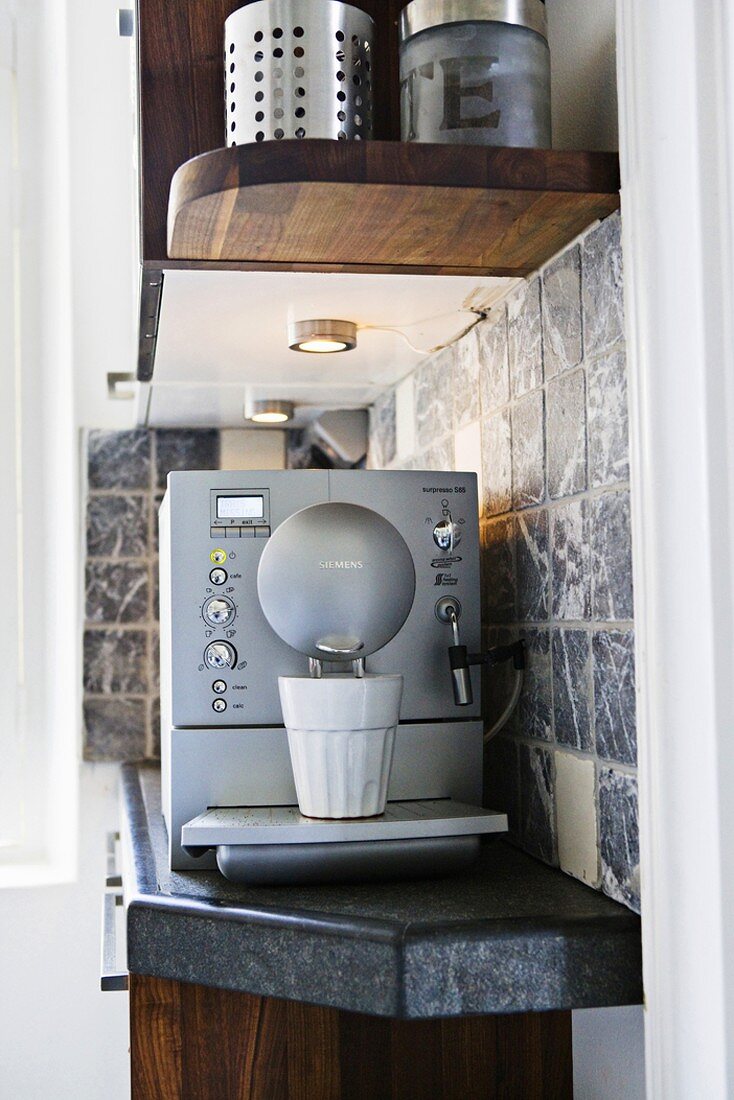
(277, 845)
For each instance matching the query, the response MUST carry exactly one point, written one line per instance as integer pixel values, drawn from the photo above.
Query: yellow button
(218, 556)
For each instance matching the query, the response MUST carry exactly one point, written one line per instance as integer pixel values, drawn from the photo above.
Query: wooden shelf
(385, 206)
(323, 206)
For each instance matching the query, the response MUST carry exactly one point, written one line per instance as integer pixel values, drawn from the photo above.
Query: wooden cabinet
(543, 197)
(189, 1042)
(385, 206)
(372, 207)
(181, 75)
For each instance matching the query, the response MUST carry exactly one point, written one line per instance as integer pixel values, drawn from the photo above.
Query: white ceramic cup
(341, 734)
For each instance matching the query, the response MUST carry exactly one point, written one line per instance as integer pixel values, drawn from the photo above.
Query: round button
(220, 655)
(218, 556)
(219, 686)
(219, 611)
(218, 576)
(219, 705)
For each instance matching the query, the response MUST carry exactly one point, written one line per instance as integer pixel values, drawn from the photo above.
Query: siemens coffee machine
(247, 592)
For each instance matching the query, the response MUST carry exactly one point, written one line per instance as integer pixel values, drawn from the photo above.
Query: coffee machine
(238, 575)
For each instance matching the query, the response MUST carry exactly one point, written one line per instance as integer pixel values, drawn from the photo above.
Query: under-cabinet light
(269, 412)
(322, 337)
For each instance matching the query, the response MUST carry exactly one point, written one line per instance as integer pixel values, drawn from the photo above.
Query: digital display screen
(240, 508)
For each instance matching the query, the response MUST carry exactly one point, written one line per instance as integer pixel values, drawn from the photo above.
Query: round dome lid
(336, 581)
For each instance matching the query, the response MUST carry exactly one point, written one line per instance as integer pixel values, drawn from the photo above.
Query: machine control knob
(220, 655)
(447, 535)
(219, 611)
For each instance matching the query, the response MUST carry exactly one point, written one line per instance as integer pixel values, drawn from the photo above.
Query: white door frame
(677, 148)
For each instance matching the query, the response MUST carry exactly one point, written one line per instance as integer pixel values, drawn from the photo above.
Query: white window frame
(11, 717)
(39, 648)
(677, 145)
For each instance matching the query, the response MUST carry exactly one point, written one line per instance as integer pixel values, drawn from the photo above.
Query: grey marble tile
(467, 403)
(498, 570)
(185, 449)
(524, 338)
(603, 286)
(154, 707)
(118, 460)
(572, 688)
(382, 431)
(497, 463)
(114, 729)
(438, 457)
(434, 406)
(531, 560)
(414, 463)
(612, 557)
(498, 681)
(562, 342)
(570, 561)
(566, 434)
(116, 662)
(154, 660)
(117, 526)
(155, 509)
(619, 838)
(116, 592)
(528, 451)
(155, 592)
(536, 802)
(534, 710)
(606, 379)
(494, 374)
(501, 781)
(299, 452)
(615, 723)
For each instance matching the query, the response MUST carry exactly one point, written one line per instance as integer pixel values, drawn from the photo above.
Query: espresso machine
(319, 573)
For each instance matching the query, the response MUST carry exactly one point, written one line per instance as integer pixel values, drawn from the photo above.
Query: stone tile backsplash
(542, 385)
(126, 475)
(534, 399)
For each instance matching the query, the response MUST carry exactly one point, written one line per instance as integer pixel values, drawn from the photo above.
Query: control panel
(222, 657)
(239, 514)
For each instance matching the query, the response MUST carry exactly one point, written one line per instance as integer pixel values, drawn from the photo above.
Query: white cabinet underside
(222, 337)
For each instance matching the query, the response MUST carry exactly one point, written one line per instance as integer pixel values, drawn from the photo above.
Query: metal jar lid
(421, 15)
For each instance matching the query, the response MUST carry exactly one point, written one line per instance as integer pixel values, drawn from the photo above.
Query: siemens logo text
(341, 565)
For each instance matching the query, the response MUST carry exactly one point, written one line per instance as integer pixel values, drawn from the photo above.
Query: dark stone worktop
(509, 935)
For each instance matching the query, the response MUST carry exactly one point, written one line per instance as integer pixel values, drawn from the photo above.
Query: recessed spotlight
(322, 337)
(269, 412)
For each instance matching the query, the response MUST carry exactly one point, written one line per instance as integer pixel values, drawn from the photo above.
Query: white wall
(60, 1037)
(609, 1054)
(582, 39)
(103, 208)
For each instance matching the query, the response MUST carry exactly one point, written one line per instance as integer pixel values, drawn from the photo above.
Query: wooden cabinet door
(189, 1042)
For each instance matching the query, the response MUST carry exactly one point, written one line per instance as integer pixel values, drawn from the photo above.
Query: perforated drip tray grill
(286, 825)
(275, 845)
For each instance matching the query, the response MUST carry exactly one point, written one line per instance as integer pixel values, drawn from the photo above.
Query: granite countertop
(509, 935)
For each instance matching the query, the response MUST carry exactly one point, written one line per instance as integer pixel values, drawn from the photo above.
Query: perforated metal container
(298, 69)
(475, 72)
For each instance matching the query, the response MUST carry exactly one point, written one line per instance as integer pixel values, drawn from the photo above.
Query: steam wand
(461, 661)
